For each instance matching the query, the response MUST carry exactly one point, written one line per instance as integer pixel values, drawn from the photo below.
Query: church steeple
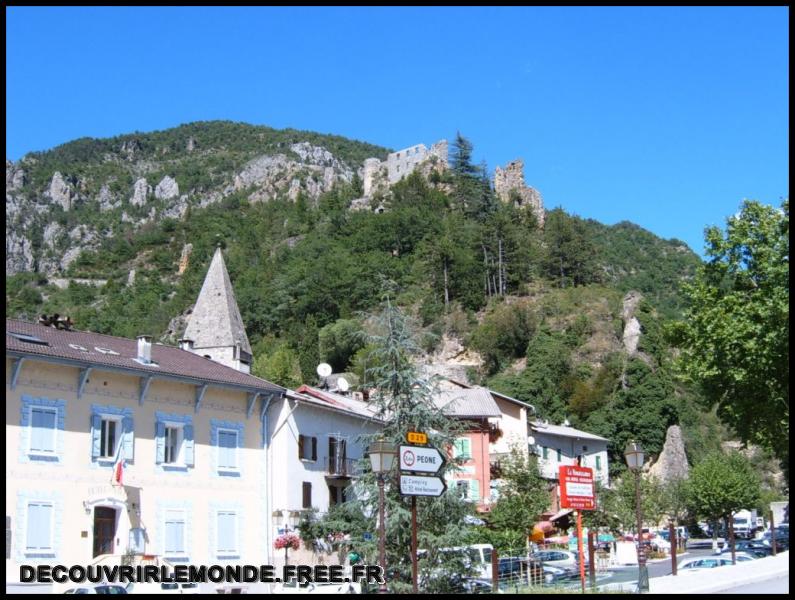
(215, 329)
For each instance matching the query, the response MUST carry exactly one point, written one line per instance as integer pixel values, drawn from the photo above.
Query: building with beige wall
(189, 430)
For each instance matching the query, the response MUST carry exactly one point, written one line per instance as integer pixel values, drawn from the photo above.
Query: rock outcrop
(167, 188)
(19, 253)
(15, 176)
(106, 199)
(184, 258)
(672, 462)
(140, 191)
(632, 328)
(510, 187)
(60, 192)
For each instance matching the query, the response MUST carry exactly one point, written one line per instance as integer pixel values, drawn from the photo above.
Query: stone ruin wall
(509, 186)
(400, 164)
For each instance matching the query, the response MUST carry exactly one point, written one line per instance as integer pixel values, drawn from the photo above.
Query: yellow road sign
(415, 437)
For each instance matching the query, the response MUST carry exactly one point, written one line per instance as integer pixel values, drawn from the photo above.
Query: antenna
(343, 384)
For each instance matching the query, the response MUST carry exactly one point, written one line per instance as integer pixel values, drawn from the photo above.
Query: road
(656, 569)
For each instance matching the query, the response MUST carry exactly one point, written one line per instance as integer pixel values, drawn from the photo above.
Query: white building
(316, 443)
(557, 445)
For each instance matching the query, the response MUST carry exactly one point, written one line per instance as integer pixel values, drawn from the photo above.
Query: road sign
(576, 487)
(419, 459)
(415, 437)
(417, 485)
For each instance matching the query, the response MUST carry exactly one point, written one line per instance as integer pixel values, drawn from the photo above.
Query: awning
(543, 526)
(561, 513)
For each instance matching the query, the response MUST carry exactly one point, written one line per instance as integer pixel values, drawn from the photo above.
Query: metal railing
(340, 466)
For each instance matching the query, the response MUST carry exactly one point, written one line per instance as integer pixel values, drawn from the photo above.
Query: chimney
(186, 344)
(145, 348)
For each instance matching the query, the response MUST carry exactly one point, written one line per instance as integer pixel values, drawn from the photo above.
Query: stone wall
(509, 186)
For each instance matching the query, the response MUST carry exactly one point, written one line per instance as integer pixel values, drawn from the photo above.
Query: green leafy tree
(722, 484)
(339, 341)
(735, 335)
(280, 365)
(571, 255)
(523, 496)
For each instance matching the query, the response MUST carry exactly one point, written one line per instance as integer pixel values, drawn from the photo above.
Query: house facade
(476, 410)
(317, 439)
(189, 431)
(557, 445)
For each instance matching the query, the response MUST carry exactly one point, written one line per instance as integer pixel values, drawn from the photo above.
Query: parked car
(754, 547)
(97, 589)
(559, 558)
(695, 564)
(293, 587)
(782, 539)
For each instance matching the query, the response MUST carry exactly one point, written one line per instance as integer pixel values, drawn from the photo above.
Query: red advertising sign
(576, 488)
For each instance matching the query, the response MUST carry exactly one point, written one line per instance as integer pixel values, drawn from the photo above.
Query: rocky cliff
(64, 201)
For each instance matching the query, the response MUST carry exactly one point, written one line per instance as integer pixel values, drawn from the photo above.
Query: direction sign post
(576, 491)
(418, 459)
(422, 485)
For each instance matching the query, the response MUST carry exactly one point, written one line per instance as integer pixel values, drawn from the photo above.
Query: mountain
(563, 312)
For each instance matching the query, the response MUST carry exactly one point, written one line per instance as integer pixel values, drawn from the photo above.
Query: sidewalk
(721, 578)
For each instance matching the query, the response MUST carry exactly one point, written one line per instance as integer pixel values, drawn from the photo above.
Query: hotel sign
(576, 488)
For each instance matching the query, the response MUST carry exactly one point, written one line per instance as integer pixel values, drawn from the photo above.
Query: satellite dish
(531, 439)
(324, 369)
(343, 384)
(566, 423)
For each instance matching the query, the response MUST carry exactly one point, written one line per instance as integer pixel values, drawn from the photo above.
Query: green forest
(542, 307)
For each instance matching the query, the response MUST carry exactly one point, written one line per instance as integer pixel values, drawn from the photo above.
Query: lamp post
(382, 455)
(634, 455)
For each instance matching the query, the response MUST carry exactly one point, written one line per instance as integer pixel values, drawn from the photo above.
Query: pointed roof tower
(215, 329)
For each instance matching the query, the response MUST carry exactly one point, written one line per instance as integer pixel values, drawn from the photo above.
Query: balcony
(341, 467)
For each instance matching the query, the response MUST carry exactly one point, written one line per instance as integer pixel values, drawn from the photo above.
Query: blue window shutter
(128, 438)
(190, 458)
(160, 442)
(39, 519)
(96, 433)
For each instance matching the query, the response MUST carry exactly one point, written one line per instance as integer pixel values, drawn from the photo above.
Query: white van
(477, 556)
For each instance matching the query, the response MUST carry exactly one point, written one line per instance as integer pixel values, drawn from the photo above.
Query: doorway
(104, 530)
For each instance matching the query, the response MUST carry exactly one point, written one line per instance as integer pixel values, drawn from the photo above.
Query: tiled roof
(99, 350)
(467, 386)
(564, 431)
(326, 399)
(474, 402)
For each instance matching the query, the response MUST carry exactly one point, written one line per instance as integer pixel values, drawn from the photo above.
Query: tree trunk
(446, 290)
(499, 259)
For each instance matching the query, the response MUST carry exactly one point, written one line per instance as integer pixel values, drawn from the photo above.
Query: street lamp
(634, 455)
(382, 455)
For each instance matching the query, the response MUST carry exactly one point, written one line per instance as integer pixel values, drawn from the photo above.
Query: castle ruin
(510, 187)
(400, 164)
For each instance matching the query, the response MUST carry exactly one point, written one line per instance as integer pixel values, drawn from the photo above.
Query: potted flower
(287, 541)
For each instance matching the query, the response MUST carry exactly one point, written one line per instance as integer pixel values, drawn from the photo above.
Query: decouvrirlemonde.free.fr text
(199, 574)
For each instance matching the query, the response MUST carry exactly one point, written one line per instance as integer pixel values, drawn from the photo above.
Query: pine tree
(405, 402)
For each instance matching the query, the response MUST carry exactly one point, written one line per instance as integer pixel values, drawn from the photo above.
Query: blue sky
(667, 117)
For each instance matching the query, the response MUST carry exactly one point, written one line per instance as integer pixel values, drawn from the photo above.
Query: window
(109, 437)
(598, 463)
(462, 485)
(463, 448)
(307, 491)
(227, 533)
(173, 445)
(474, 490)
(307, 447)
(175, 532)
(546, 452)
(42, 429)
(559, 455)
(227, 449)
(39, 527)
